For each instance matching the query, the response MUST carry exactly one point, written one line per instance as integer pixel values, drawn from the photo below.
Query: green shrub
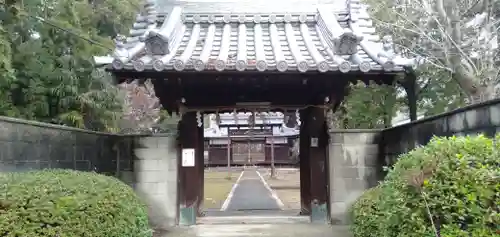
(455, 180)
(365, 213)
(69, 204)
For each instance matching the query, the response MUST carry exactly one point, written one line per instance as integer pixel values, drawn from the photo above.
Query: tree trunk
(478, 93)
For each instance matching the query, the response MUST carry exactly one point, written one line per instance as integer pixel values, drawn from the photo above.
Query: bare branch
(459, 36)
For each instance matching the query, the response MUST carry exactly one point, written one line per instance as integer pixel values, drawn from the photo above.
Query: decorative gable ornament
(387, 55)
(343, 41)
(347, 43)
(120, 53)
(156, 43)
(388, 48)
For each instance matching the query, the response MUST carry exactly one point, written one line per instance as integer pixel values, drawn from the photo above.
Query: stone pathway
(254, 212)
(252, 194)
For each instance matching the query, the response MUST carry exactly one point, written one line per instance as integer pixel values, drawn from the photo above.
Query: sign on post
(188, 159)
(314, 142)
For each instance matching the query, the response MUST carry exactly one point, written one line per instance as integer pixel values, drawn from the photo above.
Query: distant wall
(475, 119)
(27, 145)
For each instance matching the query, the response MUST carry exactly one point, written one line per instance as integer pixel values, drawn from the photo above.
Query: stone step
(233, 230)
(258, 230)
(274, 230)
(267, 219)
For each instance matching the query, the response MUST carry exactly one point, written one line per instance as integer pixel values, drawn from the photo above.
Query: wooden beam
(208, 91)
(250, 76)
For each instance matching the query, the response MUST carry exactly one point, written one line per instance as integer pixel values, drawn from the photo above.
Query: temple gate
(232, 57)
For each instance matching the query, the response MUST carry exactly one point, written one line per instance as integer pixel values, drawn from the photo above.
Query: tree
(142, 107)
(366, 107)
(8, 13)
(46, 55)
(438, 92)
(458, 37)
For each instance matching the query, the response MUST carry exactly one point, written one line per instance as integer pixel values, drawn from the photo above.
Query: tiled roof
(251, 6)
(261, 118)
(216, 132)
(214, 129)
(322, 40)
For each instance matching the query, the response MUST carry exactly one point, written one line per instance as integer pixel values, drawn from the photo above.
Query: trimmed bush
(69, 203)
(450, 188)
(366, 213)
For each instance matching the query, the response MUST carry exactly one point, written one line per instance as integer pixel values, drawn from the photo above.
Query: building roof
(261, 118)
(222, 36)
(214, 129)
(216, 132)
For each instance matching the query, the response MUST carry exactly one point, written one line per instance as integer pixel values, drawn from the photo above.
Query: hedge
(69, 203)
(455, 180)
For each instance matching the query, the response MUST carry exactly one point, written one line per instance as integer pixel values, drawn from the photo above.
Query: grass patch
(218, 184)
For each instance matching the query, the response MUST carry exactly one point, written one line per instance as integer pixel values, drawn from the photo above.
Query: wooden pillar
(267, 154)
(249, 153)
(189, 175)
(209, 158)
(305, 171)
(228, 153)
(410, 85)
(273, 168)
(318, 160)
(201, 168)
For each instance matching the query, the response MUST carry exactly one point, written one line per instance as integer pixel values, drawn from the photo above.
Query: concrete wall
(480, 118)
(149, 164)
(156, 177)
(353, 168)
(27, 145)
(356, 157)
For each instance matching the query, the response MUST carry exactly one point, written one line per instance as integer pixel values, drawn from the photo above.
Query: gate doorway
(259, 176)
(251, 190)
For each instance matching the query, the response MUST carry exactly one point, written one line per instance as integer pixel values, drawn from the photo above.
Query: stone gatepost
(353, 168)
(155, 168)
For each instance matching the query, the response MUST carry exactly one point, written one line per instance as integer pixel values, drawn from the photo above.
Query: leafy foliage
(46, 66)
(450, 187)
(438, 91)
(367, 106)
(69, 203)
(366, 213)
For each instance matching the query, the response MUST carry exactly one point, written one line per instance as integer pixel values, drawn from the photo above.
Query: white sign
(314, 142)
(188, 157)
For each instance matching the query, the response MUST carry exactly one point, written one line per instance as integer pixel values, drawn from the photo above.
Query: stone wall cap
(355, 130)
(53, 126)
(73, 129)
(448, 114)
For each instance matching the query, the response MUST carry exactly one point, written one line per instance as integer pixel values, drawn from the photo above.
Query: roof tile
(300, 41)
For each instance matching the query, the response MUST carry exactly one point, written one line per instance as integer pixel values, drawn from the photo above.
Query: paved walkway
(252, 194)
